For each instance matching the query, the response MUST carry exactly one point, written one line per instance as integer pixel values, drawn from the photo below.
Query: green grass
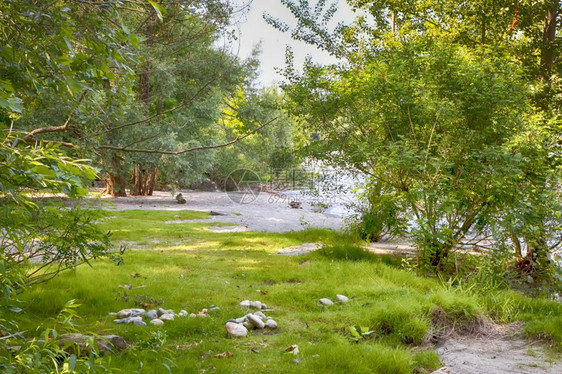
(191, 268)
(147, 228)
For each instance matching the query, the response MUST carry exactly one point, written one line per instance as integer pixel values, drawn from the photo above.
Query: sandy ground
(266, 213)
(494, 354)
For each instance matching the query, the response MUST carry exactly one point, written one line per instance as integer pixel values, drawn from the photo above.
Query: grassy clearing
(148, 228)
(191, 268)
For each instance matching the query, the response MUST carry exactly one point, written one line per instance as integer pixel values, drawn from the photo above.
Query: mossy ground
(186, 266)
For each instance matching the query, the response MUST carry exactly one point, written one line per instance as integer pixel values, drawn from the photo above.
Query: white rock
(236, 330)
(260, 314)
(139, 322)
(136, 320)
(182, 313)
(255, 321)
(238, 320)
(325, 301)
(161, 311)
(124, 313)
(203, 313)
(342, 299)
(137, 312)
(245, 303)
(151, 314)
(247, 324)
(255, 304)
(156, 322)
(263, 306)
(167, 317)
(271, 324)
(192, 315)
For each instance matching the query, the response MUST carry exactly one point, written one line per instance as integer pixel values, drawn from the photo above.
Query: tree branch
(176, 153)
(188, 102)
(64, 127)
(61, 143)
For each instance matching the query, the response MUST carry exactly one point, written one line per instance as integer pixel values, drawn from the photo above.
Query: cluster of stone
(238, 327)
(155, 317)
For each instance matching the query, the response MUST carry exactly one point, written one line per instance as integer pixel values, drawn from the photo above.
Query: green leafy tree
(50, 48)
(181, 81)
(275, 147)
(438, 105)
(144, 84)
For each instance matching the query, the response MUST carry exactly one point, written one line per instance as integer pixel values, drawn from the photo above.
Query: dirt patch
(299, 249)
(262, 214)
(482, 346)
(222, 229)
(392, 248)
(497, 354)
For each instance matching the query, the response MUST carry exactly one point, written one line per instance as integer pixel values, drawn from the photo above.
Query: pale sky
(273, 42)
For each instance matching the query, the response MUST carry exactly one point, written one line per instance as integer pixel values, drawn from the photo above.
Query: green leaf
(15, 104)
(44, 171)
(90, 173)
(6, 85)
(354, 332)
(159, 9)
(72, 362)
(69, 46)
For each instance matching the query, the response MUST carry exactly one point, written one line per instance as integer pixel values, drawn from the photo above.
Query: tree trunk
(144, 84)
(144, 73)
(116, 182)
(144, 180)
(516, 243)
(115, 186)
(549, 34)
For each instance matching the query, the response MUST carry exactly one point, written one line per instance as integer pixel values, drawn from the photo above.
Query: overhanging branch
(176, 153)
(183, 105)
(64, 127)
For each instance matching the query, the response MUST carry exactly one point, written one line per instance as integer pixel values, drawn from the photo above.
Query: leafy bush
(44, 353)
(38, 239)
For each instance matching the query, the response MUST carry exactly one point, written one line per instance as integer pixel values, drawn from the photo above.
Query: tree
(48, 47)
(158, 94)
(180, 84)
(67, 71)
(38, 240)
(438, 104)
(273, 149)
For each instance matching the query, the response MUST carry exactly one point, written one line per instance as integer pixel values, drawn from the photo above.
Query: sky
(253, 30)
